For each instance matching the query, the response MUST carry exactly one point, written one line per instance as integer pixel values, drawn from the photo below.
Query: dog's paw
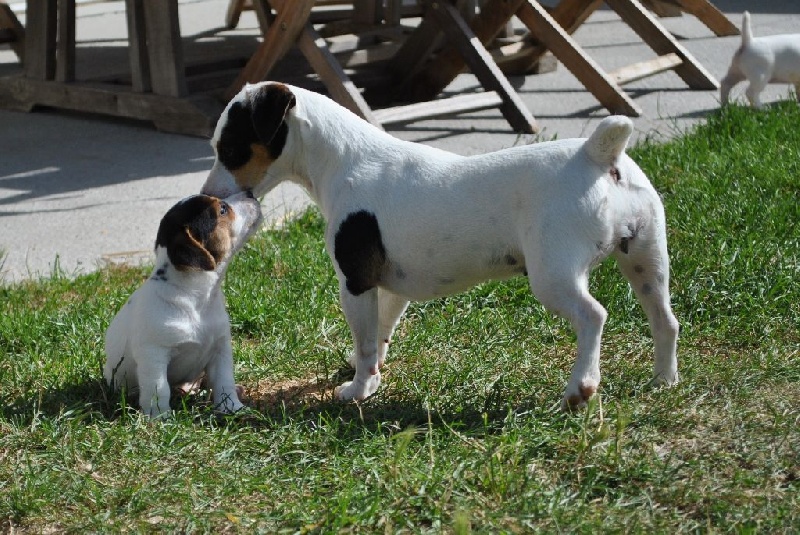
(357, 390)
(665, 378)
(577, 398)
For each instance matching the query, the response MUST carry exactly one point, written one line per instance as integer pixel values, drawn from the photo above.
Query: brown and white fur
(761, 61)
(411, 222)
(175, 328)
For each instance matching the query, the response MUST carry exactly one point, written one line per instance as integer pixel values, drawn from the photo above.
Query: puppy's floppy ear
(187, 254)
(269, 105)
(609, 140)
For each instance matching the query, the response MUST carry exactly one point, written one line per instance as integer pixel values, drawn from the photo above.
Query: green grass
(464, 434)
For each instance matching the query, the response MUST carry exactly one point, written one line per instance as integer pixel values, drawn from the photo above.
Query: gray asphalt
(78, 192)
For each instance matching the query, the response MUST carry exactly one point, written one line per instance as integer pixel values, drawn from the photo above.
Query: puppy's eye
(223, 209)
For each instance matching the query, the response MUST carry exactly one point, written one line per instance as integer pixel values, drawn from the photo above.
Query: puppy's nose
(249, 194)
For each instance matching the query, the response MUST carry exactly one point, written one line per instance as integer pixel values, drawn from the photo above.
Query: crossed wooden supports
(415, 73)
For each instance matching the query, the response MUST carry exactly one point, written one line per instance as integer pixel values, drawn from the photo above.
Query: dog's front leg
(361, 312)
(390, 309)
(151, 374)
(220, 377)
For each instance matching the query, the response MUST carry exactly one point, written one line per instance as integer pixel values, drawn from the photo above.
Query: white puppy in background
(175, 328)
(762, 60)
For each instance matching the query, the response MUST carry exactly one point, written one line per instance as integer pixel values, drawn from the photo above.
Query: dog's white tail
(609, 140)
(747, 33)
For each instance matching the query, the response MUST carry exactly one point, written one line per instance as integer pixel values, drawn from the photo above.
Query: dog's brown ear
(187, 254)
(269, 106)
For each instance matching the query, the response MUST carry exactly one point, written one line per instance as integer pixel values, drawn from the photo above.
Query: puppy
(407, 221)
(175, 328)
(763, 60)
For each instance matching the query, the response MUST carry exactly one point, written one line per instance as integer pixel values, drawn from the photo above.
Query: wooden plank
(40, 41)
(449, 62)
(137, 46)
(569, 15)
(662, 8)
(13, 31)
(662, 42)
(65, 45)
(233, 13)
(483, 66)
(583, 67)
(637, 71)
(709, 15)
(439, 108)
(280, 37)
(172, 114)
(339, 85)
(164, 47)
(410, 59)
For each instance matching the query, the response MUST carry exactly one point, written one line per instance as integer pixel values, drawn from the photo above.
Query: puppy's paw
(357, 390)
(575, 398)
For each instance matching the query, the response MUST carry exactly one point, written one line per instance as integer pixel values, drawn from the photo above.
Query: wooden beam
(280, 37)
(339, 85)
(482, 65)
(439, 108)
(662, 42)
(709, 15)
(164, 48)
(65, 44)
(448, 63)
(583, 67)
(644, 69)
(137, 46)
(40, 41)
(172, 114)
(14, 33)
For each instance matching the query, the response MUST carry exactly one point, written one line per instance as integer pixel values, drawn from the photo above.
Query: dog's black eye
(223, 208)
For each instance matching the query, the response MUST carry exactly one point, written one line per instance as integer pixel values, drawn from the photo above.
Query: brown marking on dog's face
(253, 132)
(197, 233)
(250, 174)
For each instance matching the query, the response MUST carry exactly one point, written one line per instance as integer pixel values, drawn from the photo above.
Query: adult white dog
(410, 222)
(762, 60)
(174, 328)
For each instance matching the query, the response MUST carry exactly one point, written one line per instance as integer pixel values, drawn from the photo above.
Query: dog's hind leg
(567, 295)
(361, 312)
(646, 266)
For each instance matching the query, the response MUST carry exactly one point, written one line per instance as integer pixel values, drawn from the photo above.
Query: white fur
(171, 331)
(445, 219)
(762, 60)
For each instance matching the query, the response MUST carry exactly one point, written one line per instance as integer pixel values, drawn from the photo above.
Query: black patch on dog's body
(259, 119)
(359, 252)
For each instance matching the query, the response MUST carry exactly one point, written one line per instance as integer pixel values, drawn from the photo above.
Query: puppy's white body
(174, 328)
(761, 61)
(445, 222)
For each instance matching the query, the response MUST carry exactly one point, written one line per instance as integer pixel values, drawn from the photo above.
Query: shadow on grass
(273, 404)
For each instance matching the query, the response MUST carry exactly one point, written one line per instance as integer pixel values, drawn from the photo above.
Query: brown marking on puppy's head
(252, 133)
(197, 233)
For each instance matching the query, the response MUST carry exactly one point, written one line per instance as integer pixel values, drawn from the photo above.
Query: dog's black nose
(249, 193)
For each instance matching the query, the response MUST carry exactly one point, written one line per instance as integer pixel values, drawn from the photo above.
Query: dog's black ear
(269, 106)
(188, 254)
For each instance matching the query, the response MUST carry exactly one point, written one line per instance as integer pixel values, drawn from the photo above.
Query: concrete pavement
(78, 191)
